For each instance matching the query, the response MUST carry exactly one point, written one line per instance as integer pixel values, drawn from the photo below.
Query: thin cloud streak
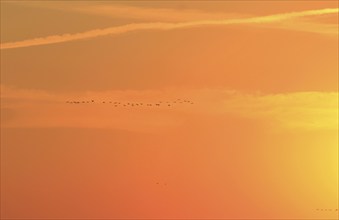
(163, 26)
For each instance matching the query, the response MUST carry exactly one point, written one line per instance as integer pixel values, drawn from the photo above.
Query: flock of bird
(135, 104)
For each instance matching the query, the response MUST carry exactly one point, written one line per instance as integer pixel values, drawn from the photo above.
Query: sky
(243, 122)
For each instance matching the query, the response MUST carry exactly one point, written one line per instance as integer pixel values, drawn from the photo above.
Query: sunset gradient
(258, 141)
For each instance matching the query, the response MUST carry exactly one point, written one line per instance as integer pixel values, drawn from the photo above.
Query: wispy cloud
(270, 19)
(292, 111)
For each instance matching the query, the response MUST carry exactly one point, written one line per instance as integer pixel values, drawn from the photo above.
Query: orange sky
(260, 140)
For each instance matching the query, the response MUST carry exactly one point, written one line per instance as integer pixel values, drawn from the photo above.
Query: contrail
(54, 39)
